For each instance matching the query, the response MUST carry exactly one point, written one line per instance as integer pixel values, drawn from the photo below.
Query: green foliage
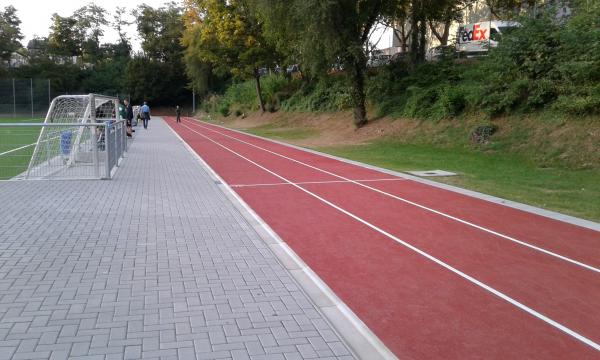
(78, 34)
(240, 97)
(431, 90)
(107, 77)
(158, 76)
(160, 30)
(543, 64)
(10, 32)
(140, 80)
(227, 38)
(320, 33)
(329, 94)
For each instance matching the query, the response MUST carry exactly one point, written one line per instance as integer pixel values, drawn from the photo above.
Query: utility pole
(31, 87)
(193, 101)
(14, 99)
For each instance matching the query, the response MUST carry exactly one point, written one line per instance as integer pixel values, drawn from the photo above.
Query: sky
(36, 15)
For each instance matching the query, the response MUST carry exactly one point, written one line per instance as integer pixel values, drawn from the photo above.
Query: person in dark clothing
(129, 116)
(178, 112)
(129, 111)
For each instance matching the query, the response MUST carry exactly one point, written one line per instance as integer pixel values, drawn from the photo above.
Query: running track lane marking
(465, 222)
(484, 286)
(313, 182)
(348, 314)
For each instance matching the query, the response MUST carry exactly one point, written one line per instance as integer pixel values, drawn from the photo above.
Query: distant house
(17, 60)
(39, 47)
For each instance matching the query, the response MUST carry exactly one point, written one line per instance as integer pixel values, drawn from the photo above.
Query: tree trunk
(443, 37)
(357, 91)
(261, 102)
(418, 24)
(414, 34)
(402, 36)
(422, 39)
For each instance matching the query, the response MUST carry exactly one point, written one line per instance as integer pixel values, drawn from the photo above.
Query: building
(17, 60)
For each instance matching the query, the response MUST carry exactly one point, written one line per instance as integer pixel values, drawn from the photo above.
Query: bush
(544, 63)
(223, 108)
(328, 94)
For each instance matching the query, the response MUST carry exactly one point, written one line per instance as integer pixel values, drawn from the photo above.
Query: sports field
(16, 145)
(433, 272)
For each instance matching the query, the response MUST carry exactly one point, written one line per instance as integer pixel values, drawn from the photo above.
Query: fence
(81, 138)
(29, 98)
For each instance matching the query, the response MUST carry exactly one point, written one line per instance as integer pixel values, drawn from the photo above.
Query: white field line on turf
(312, 182)
(482, 285)
(17, 149)
(465, 222)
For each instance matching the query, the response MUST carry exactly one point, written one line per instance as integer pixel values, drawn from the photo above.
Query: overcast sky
(36, 15)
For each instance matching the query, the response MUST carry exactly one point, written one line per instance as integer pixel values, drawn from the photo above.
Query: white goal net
(72, 139)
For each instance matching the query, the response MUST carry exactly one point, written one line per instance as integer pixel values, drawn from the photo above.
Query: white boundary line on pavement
(362, 341)
(437, 212)
(481, 196)
(314, 182)
(432, 258)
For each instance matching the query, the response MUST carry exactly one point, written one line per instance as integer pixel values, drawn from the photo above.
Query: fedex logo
(473, 35)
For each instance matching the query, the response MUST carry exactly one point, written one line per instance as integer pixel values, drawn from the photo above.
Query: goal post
(73, 138)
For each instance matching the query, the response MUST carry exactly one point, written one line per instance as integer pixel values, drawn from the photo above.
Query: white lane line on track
(448, 216)
(313, 182)
(469, 278)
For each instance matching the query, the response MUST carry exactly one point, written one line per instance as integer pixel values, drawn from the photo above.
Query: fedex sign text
(477, 33)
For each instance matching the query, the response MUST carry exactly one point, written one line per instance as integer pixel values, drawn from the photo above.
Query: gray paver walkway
(156, 263)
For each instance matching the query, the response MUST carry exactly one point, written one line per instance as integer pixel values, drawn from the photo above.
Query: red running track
(433, 273)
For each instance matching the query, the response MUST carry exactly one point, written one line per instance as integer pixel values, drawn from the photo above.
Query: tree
(507, 9)
(321, 32)
(10, 32)
(398, 21)
(160, 30)
(227, 35)
(120, 22)
(158, 74)
(90, 21)
(78, 34)
(65, 39)
(442, 14)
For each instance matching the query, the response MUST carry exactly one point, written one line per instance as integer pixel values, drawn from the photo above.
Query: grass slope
(275, 132)
(574, 192)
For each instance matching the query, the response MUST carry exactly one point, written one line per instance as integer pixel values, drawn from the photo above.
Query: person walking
(178, 112)
(145, 110)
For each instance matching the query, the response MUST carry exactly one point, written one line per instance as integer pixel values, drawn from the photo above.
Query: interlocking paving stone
(156, 263)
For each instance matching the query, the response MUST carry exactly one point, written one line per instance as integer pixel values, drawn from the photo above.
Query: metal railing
(91, 150)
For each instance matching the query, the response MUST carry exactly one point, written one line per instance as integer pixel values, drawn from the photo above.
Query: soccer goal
(81, 137)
